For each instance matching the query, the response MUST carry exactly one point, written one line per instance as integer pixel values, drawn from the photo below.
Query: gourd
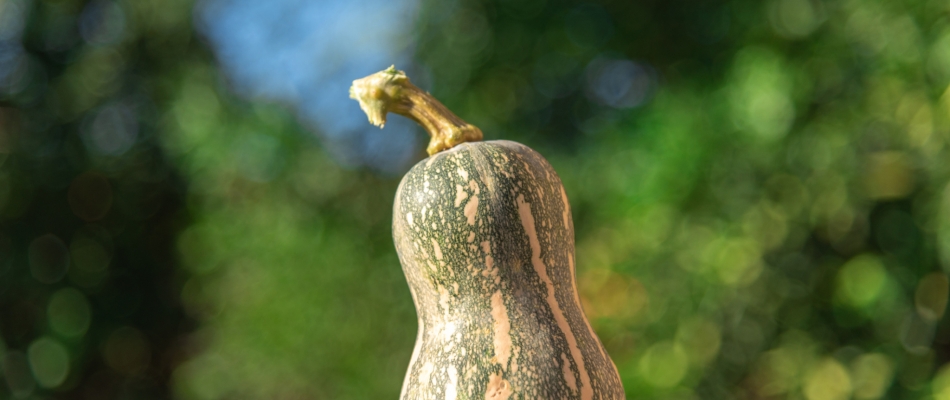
(484, 234)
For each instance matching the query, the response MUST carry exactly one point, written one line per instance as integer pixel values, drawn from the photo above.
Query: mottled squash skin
(486, 241)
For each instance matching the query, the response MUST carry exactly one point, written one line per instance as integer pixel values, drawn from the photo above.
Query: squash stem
(390, 91)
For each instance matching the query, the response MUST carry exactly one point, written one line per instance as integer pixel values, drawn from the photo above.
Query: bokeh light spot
(766, 224)
(112, 130)
(49, 259)
(69, 312)
(889, 175)
(795, 18)
(700, 338)
(664, 364)
(788, 192)
(473, 36)
(941, 383)
(760, 95)
(827, 380)
(931, 296)
(939, 61)
(49, 361)
(14, 70)
(917, 334)
(612, 295)
(872, 375)
(619, 83)
(13, 63)
(12, 19)
(737, 262)
(781, 369)
(862, 280)
(102, 22)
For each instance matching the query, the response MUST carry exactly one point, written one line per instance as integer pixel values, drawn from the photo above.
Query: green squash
(485, 238)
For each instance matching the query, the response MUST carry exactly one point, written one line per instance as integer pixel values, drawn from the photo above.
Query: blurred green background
(191, 208)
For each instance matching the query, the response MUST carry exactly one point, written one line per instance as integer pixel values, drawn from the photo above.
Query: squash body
(485, 238)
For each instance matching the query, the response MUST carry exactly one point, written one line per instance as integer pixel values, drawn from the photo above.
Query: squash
(486, 241)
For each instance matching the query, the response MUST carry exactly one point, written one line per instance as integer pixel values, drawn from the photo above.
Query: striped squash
(485, 238)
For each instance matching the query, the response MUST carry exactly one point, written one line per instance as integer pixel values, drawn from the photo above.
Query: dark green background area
(772, 220)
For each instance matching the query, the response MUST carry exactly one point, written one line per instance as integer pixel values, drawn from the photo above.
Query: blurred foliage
(90, 206)
(760, 192)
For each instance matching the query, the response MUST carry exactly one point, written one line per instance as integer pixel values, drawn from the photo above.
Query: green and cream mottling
(484, 234)
(485, 238)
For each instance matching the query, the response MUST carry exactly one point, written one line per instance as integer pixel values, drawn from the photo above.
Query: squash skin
(486, 241)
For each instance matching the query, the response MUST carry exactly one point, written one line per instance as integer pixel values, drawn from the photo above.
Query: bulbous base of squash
(485, 237)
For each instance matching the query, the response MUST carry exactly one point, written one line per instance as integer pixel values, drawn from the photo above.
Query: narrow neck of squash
(390, 91)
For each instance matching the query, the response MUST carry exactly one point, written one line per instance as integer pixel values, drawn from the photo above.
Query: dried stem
(390, 91)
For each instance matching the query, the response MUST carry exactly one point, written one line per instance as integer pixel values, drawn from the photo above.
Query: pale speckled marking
(474, 186)
(425, 254)
(514, 359)
(409, 218)
(527, 220)
(502, 325)
(567, 209)
(463, 173)
(471, 237)
(489, 260)
(460, 195)
(451, 389)
(425, 373)
(570, 262)
(498, 388)
(471, 208)
(527, 168)
(443, 298)
(568, 373)
(437, 249)
(446, 331)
